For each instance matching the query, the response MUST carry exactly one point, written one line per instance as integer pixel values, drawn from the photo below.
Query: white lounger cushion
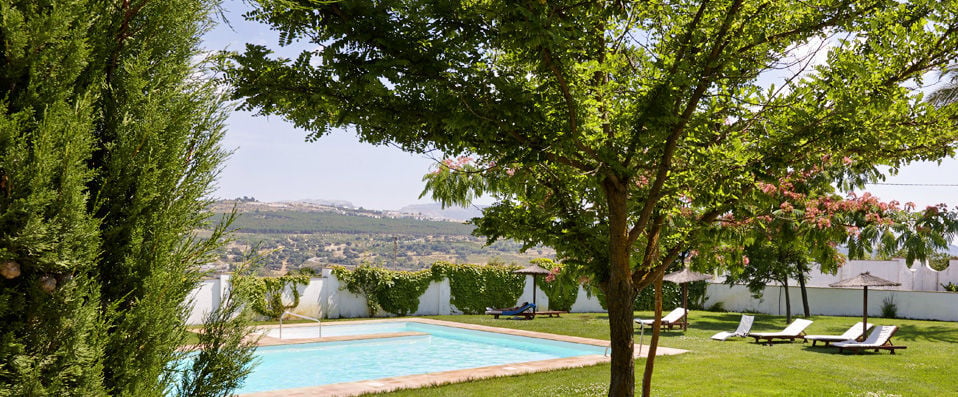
(673, 316)
(744, 325)
(853, 333)
(878, 337)
(793, 329)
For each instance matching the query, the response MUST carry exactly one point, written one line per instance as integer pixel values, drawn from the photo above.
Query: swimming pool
(437, 348)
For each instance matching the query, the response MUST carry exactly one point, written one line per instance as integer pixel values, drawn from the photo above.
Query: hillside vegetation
(311, 222)
(293, 235)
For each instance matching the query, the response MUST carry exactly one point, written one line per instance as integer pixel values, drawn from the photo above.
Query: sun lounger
(744, 325)
(673, 319)
(853, 334)
(794, 331)
(524, 310)
(878, 339)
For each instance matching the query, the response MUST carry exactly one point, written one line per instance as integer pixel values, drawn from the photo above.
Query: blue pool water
(443, 349)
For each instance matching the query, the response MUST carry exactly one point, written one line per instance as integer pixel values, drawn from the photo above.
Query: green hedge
(476, 287)
(473, 287)
(395, 291)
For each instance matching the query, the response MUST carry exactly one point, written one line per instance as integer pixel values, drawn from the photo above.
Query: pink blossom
(766, 188)
(853, 230)
(745, 260)
(552, 274)
(641, 181)
(786, 206)
(510, 171)
(846, 160)
(824, 222)
(909, 206)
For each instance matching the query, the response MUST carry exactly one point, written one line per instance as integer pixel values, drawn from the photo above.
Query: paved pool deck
(444, 377)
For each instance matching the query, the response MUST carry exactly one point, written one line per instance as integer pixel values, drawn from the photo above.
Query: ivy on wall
(473, 287)
(561, 285)
(265, 294)
(476, 287)
(394, 291)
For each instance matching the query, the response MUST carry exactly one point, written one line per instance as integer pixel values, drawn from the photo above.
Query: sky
(271, 160)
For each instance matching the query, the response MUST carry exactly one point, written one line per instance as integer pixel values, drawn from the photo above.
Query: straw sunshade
(535, 271)
(684, 277)
(864, 280)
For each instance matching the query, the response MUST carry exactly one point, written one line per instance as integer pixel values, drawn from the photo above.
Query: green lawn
(739, 367)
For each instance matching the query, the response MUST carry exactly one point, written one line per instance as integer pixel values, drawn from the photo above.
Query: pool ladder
(320, 327)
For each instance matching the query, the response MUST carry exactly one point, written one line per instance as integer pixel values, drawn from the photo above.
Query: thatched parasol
(535, 271)
(684, 277)
(864, 280)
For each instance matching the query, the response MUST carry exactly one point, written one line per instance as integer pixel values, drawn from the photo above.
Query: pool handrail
(320, 327)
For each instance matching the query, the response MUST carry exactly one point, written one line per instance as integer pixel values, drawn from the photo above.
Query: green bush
(265, 294)
(888, 308)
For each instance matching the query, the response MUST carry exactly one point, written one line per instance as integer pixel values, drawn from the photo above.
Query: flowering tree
(799, 219)
(598, 126)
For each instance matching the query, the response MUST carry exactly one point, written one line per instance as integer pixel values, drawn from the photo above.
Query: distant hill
(435, 210)
(329, 203)
(298, 221)
(319, 233)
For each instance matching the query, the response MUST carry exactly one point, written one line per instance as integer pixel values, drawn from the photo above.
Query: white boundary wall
(919, 277)
(923, 305)
(323, 298)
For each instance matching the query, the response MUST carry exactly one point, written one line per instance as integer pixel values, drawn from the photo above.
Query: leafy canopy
(615, 132)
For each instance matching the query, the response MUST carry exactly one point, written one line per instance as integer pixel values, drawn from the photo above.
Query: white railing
(319, 326)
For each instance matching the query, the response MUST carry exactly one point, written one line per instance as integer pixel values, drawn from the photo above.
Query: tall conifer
(109, 144)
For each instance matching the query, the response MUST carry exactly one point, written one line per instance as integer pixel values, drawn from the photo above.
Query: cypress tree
(109, 144)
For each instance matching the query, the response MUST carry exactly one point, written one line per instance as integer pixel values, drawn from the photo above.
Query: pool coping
(445, 377)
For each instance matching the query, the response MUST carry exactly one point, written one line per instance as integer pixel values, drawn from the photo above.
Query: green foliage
(394, 291)
(265, 294)
(615, 133)
(476, 287)
(950, 287)
(888, 308)
(672, 296)
(223, 356)
(109, 145)
(561, 285)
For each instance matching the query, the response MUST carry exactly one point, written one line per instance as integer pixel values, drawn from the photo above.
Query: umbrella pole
(534, 306)
(865, 313)
(685, 306)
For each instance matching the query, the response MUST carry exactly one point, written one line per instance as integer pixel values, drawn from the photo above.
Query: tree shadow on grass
(935, 333)
(717, 322)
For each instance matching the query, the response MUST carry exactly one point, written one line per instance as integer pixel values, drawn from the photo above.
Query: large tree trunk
(654, 344)
(788, 301)
(620, 293)
(801, 284)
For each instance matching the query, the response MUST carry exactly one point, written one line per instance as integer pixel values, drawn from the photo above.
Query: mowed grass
(740, 367)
